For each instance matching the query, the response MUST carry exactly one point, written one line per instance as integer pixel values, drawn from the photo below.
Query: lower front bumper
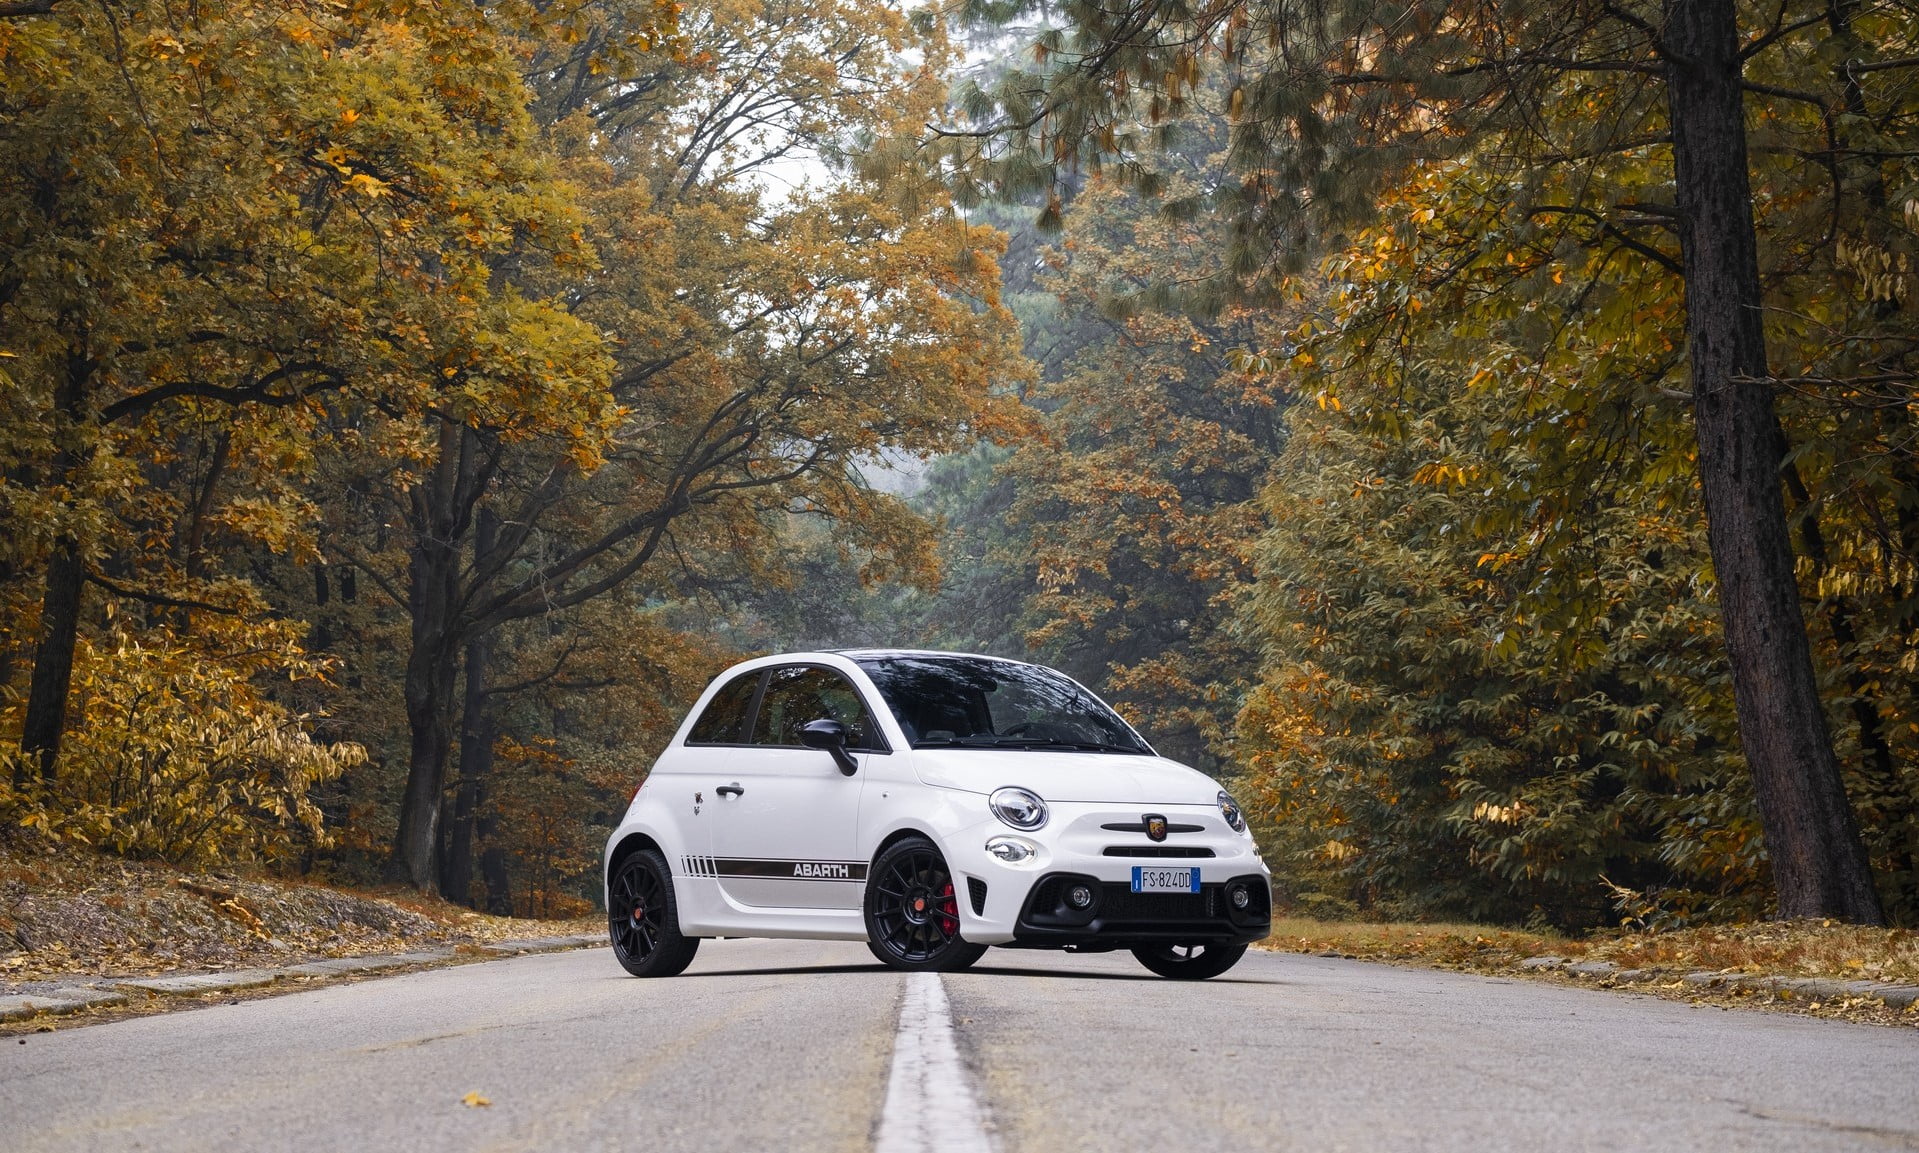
(1121, 918)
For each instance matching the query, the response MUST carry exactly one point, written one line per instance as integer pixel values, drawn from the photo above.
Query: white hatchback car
(930, 804)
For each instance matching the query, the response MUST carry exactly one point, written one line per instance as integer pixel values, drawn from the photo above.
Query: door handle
(733, 788)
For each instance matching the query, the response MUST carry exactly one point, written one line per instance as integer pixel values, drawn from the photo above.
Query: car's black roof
(882, 654)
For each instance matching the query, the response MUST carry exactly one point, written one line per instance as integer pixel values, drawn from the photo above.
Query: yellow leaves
(367, 185)
(1441, 473)
(1497, 814)
(177, 755)
(475, 1101)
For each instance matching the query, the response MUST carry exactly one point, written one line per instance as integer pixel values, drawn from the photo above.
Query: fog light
(1239, 896)
(1010, 849)
(1080, 897)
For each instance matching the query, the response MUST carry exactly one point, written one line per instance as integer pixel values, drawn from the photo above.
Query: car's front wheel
(1190, 962)
(644, 920)
(912, 910)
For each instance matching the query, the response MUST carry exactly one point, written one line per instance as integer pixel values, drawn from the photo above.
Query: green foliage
(1423, 741)
(1503, 353)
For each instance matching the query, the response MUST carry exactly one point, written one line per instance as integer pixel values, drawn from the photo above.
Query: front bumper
(1022, 904)
(1121, 918)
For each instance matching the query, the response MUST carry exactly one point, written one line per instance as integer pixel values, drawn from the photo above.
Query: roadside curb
(1813, 988)
(64, 999)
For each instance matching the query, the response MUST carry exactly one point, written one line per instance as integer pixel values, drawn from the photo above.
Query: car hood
(1114, 778)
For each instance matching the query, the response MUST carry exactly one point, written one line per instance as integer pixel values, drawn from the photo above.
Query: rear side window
(724, 721)
(797, 695)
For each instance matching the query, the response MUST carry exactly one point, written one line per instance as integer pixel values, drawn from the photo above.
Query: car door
(714, 752)
(784, 826)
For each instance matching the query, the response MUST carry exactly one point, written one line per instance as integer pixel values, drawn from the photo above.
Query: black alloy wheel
(912, 910)
(643, 919)
(1190, 962)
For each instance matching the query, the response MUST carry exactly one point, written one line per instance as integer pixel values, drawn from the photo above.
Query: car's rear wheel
(912, 910)
(1190, 962)
(644, 920)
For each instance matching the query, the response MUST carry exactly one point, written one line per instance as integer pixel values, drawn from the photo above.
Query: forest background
(406, 408)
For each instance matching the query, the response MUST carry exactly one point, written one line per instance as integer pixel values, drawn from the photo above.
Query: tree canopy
(1482, 434)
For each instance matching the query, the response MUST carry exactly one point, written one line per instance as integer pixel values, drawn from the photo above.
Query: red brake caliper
(949, 910)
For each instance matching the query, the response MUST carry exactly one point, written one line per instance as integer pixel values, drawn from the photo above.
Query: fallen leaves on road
(475, 1101)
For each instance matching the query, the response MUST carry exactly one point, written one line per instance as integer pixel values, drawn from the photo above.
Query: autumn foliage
(386, 388)
(405, 408)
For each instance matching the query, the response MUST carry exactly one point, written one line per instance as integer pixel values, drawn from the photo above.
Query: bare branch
(375, 575)
(1883, 65)
(1608, 228)
(161, 599)
(257, 392)
(1811, 98)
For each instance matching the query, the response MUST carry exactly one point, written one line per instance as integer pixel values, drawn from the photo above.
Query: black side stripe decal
(773, 868)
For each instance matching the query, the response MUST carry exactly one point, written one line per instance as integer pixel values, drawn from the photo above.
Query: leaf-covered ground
(1774, 948)
(66, 913)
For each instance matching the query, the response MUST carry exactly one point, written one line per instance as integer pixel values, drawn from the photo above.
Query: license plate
(1147, 880)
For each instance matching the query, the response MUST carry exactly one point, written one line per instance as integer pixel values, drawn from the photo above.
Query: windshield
(981, 703)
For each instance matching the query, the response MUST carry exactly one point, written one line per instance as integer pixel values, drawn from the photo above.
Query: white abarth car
(930, 804)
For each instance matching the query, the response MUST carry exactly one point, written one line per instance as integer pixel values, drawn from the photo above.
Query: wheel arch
(901, 834)
(633, 842)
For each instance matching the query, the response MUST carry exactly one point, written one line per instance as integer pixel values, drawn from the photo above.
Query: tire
(963, 959)
(912, 912)
(1190, 962)
(643, 919)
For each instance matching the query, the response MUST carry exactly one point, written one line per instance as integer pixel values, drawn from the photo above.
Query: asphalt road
(804, 1046)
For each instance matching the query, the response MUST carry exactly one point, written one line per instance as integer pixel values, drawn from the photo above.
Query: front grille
(1155, 851)
(976, 889)
(1140, 827)
(1120, 903)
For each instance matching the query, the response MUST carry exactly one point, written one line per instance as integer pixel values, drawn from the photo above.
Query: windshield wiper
(987, 742)
(1058, 743)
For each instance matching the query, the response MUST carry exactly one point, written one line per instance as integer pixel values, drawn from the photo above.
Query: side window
(797, 695)
(724, 721)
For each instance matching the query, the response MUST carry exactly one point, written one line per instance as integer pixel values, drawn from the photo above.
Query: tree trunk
(433, 575)
(493, 874)
(429, 707)
(476, 746)
(1818, 860)
(46, 721)
(45, 724)
(1890, 797)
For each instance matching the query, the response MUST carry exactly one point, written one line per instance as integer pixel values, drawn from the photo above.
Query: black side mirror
(830, 735)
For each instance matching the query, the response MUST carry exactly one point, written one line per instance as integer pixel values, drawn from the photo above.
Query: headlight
(1012, 850)
(1235, 819)
(1018, 807)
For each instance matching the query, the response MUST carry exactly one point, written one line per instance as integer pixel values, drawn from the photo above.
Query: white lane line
(930, 1106)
